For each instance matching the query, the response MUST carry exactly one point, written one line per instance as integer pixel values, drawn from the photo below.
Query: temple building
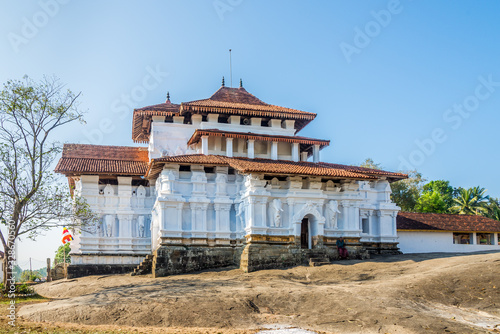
(223, 181)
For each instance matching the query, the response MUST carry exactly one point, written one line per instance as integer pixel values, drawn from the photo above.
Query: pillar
(303, 156)
(274, 150)
(204, 144)
(251, 152)
(295, 152)
(316, 153)
(229, 147)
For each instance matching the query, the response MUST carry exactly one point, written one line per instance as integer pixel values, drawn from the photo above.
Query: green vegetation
(31, 276)
(60, 253)
(415, 194)
(32, 198)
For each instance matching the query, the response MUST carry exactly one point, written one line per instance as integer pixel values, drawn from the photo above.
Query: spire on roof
(241, 83)
(223, 81)
(168, 98)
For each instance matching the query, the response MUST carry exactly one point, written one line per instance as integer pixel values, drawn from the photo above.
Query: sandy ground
(426, 293)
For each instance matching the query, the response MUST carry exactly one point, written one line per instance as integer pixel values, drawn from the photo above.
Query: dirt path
(434, 293)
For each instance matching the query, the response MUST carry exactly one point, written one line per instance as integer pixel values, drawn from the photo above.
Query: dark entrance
(304, 234)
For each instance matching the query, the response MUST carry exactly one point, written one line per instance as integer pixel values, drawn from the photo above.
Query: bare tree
(31, 198)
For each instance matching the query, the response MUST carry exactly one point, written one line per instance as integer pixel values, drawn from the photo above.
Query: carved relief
(108, 190)
(277, 209)
(109, 220)
(141, 227)
(333, 209)
(141, 191)
(308, 208)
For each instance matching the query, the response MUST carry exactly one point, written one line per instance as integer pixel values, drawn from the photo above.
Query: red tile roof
(364, 170)
(80, 159)
(237, 101)
(230, 101)
(141, 123)
(255, 136)
(445, 222)
(245, 165)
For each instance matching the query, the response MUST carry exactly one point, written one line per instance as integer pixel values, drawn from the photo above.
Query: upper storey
(233, 106)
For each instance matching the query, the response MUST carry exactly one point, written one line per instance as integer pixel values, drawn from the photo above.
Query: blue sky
(406, 83)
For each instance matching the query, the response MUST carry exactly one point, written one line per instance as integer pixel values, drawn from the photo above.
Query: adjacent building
(439, 232)
(222, 181)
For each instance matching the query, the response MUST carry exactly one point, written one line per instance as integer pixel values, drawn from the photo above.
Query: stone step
(145, 267)
(318, 261)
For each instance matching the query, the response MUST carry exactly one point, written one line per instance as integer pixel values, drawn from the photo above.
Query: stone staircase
(318, 261)
(145, 267)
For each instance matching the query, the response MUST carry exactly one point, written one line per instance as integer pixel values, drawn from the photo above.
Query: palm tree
(495, 213)
(470, 201)
(494, 208)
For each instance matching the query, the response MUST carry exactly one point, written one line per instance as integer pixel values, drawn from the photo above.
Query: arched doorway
(305, 235)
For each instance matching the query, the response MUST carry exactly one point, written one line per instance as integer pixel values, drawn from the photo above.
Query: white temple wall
(196, 205)
(124, 213)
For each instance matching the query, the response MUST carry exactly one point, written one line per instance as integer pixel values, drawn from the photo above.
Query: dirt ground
(425, 293)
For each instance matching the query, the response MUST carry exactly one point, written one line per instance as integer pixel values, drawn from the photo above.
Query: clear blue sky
(381, 75)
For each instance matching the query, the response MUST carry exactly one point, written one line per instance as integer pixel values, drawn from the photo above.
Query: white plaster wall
(125, 204)
(172, 138)
(429, 242)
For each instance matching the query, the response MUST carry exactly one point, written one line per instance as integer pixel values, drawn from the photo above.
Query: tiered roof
(228, 101)
(237, 101)
(133, 161)
(441, 222)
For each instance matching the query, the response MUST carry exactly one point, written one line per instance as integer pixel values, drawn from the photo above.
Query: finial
(168, 97)
(223, 82)
(241, 83)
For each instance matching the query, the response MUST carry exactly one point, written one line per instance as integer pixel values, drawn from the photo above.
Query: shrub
(24, 289)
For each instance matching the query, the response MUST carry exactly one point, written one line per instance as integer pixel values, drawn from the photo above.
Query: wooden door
(304, 234)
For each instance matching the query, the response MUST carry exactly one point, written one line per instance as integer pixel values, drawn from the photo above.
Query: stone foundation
(382, 248)
(80, 270)
(171, 260)
(258, 252)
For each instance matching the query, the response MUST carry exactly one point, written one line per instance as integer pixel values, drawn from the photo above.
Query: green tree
(472, 201)
(369, 163)
(431, 202)
(60, 253)
(443, 188)
(405, 193)
(31, 198)
(30, 276)
(494, 208)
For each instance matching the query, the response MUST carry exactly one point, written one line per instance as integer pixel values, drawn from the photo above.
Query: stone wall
(171, 260)
(258, 253)
(81, 270)
(381, 248)
(57, 272)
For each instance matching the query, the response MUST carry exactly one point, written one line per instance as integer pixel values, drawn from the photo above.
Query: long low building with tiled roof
(223, 181)
(449, 233)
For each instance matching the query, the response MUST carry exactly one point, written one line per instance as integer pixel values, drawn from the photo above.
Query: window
(209, 169)
(484, 238)
(365, 225)
(462, 238)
